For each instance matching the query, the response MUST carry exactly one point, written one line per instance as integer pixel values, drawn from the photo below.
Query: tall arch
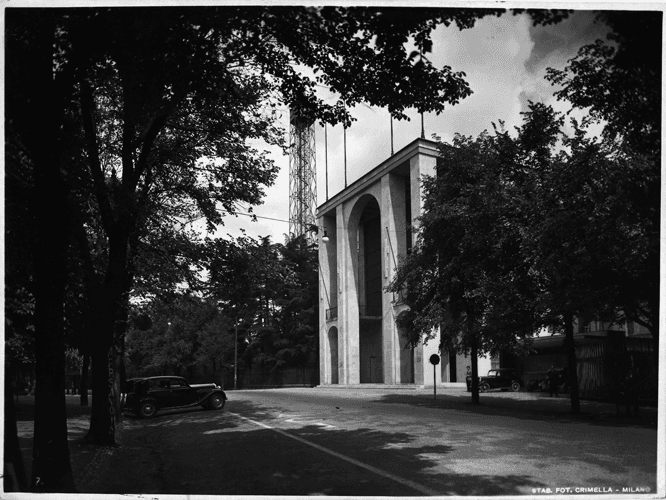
(366, 250)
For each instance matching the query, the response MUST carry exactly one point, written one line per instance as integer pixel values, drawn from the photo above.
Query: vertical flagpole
(422, 124)
(345, 148)
(422, 127)
(326, 158)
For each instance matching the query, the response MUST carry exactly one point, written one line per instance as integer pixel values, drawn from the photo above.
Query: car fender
(211, 393)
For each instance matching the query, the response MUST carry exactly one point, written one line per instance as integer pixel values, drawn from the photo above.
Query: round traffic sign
(434, 359)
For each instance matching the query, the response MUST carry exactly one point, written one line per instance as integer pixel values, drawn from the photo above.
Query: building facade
(368, 227)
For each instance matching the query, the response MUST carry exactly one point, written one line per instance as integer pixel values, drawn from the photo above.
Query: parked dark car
(145, 396)
(500, 378)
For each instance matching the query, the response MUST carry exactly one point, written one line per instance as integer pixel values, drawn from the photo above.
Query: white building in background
(368, 226)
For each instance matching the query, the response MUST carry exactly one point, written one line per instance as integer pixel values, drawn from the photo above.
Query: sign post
(434, 359)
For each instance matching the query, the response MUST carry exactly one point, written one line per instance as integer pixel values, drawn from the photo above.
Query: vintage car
(500, 378)
(145, 396)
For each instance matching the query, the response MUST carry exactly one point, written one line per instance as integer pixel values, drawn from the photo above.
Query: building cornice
(418, 146)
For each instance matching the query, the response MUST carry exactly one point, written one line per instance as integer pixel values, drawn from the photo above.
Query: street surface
(353, 442)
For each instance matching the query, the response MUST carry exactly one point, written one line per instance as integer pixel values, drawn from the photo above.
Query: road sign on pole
(434, 359)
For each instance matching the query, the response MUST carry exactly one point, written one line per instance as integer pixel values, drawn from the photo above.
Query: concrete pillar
(360, 269)
(348, 317)
(419, 166)
(328, 294)
(324, 300)
(394, 245)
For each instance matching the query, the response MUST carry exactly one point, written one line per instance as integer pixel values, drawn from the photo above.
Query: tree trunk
(475, 371)
(654, 330)
(109, 307)
(570, 349)
(118, 370)
(84, 379)
(102, 420)
(119, 355)
(51, 468)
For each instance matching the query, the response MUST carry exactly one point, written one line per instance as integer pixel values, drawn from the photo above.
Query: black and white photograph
(283, 249)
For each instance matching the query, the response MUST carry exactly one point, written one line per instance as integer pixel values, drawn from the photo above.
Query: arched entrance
(333, 349)
(370, 294)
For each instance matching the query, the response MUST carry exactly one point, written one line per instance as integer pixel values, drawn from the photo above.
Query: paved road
(377, 442)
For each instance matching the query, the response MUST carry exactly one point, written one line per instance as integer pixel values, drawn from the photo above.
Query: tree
(561, 241)
(618, 82)
(518, 234)
(272, 289)
(290, 339)
(187, 332)
(461, 277)
(34, 129)
(268, 290)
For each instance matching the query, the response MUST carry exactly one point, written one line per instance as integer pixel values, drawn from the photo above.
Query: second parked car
(145, 396)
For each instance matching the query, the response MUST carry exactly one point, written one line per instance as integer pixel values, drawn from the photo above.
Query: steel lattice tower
(302, 177)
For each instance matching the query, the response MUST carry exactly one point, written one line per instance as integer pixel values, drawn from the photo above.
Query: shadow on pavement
(197, 452)
(543, 409)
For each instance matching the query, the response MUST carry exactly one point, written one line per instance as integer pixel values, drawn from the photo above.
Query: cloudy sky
(505, 60)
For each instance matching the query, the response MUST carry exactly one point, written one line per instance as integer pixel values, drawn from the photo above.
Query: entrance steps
(405, 387)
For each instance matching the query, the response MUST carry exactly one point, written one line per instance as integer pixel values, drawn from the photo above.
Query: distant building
(368, 227)
(604, 352)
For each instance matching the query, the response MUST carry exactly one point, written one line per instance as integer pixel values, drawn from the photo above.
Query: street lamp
(315, 229)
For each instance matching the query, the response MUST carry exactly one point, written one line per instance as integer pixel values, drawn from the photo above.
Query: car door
(181, 393)
(503, 379)
(158, 389)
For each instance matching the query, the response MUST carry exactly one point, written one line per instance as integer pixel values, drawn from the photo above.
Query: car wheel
(484, 387)
(515, 386)
(148, 409)
(216, 402)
